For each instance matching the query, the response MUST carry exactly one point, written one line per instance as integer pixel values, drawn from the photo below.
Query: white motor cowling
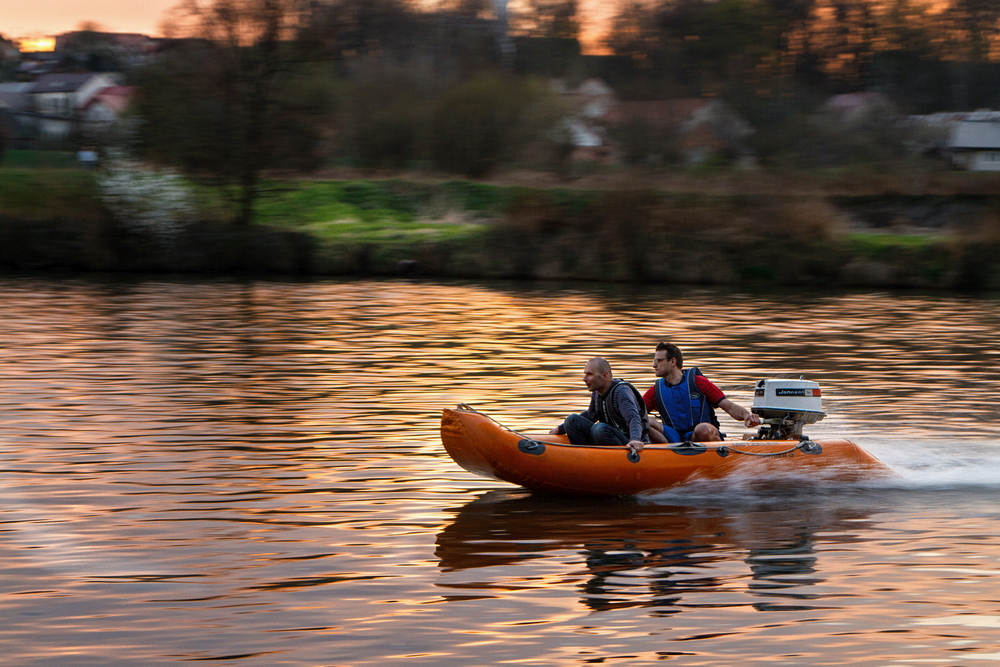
(785, 406)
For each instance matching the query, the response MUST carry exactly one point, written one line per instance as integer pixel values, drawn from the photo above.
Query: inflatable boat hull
(550, 463)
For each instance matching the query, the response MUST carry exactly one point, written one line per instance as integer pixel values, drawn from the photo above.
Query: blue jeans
(582, 431)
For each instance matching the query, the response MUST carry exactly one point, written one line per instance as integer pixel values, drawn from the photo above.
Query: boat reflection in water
(665, 557)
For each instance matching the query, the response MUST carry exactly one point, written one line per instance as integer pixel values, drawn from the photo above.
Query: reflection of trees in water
(775, 570)
(664, 572)
(778, 569)
(661, 557)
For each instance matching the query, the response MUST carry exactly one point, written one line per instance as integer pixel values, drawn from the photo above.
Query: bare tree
(231, 80)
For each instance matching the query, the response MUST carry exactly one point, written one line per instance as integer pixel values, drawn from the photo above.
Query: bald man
(616, 416)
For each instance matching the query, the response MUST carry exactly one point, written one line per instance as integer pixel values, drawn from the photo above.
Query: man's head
(662, 359)
(597, 375)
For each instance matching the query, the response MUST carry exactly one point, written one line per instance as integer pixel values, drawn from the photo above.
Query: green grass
(365, 226)
(379, 210)
(25, 159)
(925, 258)
(384, 231)
(405, 201)
(873, 245)
(313, 203)
(49, 194)
(385, 211)
(347, 210)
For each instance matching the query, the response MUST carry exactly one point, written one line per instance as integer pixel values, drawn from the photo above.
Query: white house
(104, 108)
(975, 144)
(59, 99)
(591, 100)
(595, 99)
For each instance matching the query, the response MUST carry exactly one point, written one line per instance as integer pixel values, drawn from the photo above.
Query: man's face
(661, 365)
(593, 379)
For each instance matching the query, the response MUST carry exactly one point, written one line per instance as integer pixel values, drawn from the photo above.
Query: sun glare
(35, 44)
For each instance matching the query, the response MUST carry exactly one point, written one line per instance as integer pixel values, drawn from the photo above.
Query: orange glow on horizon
(37, 44)
(51, 17)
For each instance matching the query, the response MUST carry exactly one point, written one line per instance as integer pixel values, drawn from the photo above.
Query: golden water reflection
(658, 556)
(251, 472)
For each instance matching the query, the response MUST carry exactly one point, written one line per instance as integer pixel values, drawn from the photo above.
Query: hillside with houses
(605, 110)
(47, 109)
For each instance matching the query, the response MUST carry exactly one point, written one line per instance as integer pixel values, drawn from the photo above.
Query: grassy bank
(707, 235)
(50, 193)
(33, 159)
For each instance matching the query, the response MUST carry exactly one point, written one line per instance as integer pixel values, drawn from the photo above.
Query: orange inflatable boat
(549, 463)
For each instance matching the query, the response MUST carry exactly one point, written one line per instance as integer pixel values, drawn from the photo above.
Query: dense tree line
(777, 61)
(249, 85)
(926, 55)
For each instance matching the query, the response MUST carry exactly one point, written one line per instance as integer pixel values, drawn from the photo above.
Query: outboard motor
(785, 406)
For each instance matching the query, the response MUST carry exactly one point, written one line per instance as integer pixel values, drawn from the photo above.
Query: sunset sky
(39, 18)
(34, 18)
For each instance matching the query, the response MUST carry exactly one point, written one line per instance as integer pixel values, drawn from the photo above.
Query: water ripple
(251, 472)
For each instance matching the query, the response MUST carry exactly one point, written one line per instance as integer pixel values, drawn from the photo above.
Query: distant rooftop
(61, 83)
(115, 98)
(975, 134)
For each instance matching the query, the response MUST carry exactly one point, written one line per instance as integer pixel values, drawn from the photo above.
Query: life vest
(607, 413)
(682, 406)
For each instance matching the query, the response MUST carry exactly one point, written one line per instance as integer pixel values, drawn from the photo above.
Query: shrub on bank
(637, 235)
(481, 122)
(385, 118)
(141, 198)
(57, 220)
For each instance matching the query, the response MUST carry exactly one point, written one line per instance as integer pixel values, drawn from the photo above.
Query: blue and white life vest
(682, 406)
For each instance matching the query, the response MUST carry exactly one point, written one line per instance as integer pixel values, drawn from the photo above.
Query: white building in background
(975, 144)
(105, 108)
(966, 139)
(59, 100)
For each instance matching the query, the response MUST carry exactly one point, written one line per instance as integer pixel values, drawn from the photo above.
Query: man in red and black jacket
(686, 401)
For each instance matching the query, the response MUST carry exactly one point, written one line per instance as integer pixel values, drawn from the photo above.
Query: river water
(250, 473)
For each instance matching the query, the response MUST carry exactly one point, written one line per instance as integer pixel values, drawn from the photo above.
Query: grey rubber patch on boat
(811, 447)
(688, 448)
(531, 446)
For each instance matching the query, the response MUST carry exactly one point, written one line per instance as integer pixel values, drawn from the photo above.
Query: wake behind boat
(550, 463)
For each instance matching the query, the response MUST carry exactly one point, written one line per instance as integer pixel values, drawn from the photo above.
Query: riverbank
(731, 228)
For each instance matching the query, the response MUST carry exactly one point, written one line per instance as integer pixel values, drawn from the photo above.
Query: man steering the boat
(616, 415)
(686, 401)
